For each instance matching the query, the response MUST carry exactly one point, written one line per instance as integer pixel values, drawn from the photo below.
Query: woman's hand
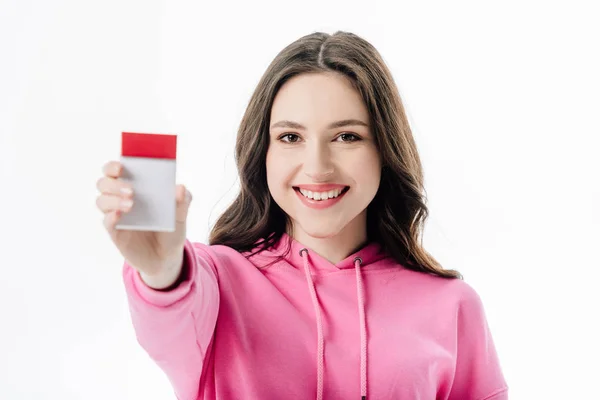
(158, 256)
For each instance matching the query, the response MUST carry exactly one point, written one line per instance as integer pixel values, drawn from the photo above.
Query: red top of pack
(148, 145)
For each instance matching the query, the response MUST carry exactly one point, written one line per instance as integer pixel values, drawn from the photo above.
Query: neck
(337, 247)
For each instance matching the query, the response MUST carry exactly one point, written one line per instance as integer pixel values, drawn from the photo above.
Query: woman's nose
(318, 164)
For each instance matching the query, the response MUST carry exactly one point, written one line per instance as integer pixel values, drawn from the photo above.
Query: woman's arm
(175, 325)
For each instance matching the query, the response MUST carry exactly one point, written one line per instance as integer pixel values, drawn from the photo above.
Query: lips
(320, 196)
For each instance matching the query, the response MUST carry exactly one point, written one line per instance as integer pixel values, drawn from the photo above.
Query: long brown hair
(396, 216)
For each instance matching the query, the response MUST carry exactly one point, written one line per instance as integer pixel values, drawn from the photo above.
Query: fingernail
(126, 204)
(126, 190)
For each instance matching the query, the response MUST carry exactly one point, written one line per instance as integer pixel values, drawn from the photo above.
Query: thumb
(183, 198)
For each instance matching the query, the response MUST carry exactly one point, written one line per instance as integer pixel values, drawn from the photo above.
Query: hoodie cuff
(165, 298)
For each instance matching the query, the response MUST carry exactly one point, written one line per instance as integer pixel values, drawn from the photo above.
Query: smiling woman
(352, 99)
(315, 283)
(332, 149)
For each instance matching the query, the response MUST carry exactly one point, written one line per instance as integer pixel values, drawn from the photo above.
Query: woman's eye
(348, 137)
(289, 138)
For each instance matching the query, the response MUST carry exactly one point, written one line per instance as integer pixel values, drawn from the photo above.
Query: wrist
(168, 277)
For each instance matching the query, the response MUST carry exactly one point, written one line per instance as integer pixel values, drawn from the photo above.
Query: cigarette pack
(149, 165)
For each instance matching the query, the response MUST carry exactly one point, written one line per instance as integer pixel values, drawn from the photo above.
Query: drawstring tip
(363, 398)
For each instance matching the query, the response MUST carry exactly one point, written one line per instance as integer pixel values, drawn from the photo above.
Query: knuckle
(116, 167)
(111, 168)
(102, 202)
(106, 168)
(99, 201)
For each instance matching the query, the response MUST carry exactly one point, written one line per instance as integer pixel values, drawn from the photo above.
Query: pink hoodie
(302, 327)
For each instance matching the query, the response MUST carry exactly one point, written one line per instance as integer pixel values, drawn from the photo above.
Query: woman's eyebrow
(333, 125)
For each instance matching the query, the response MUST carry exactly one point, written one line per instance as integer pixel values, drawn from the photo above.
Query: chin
(319, 230)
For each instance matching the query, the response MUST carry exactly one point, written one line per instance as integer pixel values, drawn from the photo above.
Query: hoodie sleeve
(478, 374)
(175, 327)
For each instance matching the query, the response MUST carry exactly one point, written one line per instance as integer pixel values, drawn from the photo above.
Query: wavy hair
(397, 214)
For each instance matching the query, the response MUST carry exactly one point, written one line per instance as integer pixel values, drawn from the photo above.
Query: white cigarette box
(149, 165)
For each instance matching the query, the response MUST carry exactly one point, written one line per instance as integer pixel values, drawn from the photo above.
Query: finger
(111, 219)
(106, 185)
(112, 169)
(109, 203)
(182, 194)
(184, 198)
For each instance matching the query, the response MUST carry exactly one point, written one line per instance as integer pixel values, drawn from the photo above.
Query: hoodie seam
(212, 264)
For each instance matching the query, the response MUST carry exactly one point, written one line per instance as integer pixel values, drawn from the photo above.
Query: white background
(503, 100)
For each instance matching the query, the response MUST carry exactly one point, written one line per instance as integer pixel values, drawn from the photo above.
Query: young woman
(314, 283)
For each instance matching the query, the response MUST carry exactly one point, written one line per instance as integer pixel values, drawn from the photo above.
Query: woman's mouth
(320, 198)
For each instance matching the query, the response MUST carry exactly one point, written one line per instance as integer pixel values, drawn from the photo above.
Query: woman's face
(323, 167)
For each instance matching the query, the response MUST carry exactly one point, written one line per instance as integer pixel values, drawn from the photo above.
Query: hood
(289, 249)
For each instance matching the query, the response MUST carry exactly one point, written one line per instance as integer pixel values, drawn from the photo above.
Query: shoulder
(216, 253)
(222, 257)
(464, 300)
(452, 291)
(454, 298)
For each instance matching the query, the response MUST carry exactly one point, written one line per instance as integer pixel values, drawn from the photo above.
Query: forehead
(316, 99)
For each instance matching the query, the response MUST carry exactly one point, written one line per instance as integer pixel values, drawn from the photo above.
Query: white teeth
(321, 195)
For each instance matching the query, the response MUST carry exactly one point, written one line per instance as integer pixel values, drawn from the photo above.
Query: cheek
(278, 171)
(271, 171)
(367, 173)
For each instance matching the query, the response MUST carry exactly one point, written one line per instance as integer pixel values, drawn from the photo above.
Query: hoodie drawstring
(315, 301)
(363, 329)
(362, 320)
